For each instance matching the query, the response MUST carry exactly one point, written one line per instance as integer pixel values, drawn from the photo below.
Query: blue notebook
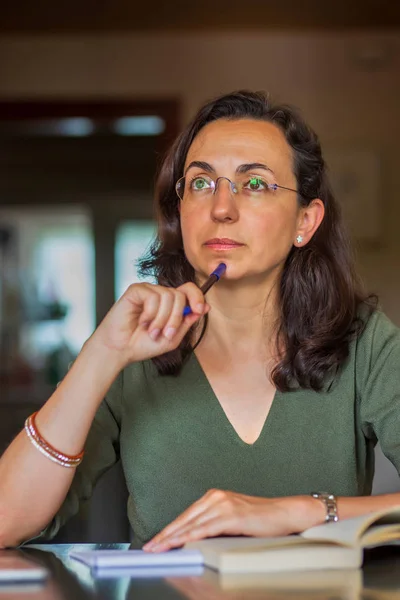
(132, 559)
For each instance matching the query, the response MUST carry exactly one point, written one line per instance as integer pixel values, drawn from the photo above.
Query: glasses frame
(233, 186)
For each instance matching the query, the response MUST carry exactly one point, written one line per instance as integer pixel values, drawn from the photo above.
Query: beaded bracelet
(47, 449)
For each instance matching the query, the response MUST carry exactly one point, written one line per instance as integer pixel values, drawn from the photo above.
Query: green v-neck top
(175, 441)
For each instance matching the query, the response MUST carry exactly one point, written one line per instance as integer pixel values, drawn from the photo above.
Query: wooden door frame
(168, 109)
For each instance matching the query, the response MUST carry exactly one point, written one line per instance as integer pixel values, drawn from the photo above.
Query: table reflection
(324, 585)
(69, 579)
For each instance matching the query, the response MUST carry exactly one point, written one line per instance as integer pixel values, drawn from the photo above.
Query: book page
(255, 545)
(349, 532)
(381, 534)
(233, 544)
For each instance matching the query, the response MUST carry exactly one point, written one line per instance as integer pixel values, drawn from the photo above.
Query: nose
(232, 184)
(224, 206)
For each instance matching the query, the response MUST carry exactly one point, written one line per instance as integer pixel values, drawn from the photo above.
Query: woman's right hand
(148, 321)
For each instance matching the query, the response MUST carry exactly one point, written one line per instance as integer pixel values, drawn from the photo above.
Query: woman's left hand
(221, 512)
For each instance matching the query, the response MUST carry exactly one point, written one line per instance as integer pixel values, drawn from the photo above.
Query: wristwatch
(330, 504)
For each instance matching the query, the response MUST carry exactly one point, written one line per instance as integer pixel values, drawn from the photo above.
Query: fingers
(195, 297)
(222, 512)
(208, 508)
(169, 317)
(164, 303)
(212, 523)
(162, 311)
(211, 526)
(193, 512)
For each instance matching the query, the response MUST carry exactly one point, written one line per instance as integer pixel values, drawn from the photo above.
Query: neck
(243, 316)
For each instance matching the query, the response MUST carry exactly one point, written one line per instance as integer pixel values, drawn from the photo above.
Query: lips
(223, 244)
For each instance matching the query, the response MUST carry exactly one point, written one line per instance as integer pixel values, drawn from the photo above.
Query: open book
(330, 546)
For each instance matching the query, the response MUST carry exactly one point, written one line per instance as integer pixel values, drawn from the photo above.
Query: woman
(276, 386)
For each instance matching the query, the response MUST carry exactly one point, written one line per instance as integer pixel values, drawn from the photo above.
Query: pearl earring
(299, 239)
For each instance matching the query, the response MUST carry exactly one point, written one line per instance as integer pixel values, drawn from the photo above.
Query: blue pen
(214, 277)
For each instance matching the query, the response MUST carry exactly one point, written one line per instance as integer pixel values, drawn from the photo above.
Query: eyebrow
(250, 166)
(240, 169)
(200, 165)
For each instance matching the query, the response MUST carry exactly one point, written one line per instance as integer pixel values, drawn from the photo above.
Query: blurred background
(91, 95)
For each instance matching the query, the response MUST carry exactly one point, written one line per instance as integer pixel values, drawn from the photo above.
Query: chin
(233, 271)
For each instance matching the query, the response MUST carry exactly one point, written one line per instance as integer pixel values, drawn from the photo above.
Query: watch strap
(330, 504)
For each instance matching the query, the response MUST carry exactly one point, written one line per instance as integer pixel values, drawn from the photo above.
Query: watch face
(322, 495)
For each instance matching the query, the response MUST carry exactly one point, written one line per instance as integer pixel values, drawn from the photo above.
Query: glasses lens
(255, 183)
(194, 188)
(180, 188)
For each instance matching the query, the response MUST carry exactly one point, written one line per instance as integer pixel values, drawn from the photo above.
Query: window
(53, 282)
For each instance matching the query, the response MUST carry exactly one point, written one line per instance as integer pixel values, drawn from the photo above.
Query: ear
(310, 218)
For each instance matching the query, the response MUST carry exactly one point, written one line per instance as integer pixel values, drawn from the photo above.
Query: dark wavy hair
(321, 299)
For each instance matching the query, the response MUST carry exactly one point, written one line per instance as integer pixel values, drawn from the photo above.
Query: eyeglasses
(249, 186)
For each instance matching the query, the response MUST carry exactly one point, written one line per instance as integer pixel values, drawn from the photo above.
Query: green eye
(256, 184)
(199, 183)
